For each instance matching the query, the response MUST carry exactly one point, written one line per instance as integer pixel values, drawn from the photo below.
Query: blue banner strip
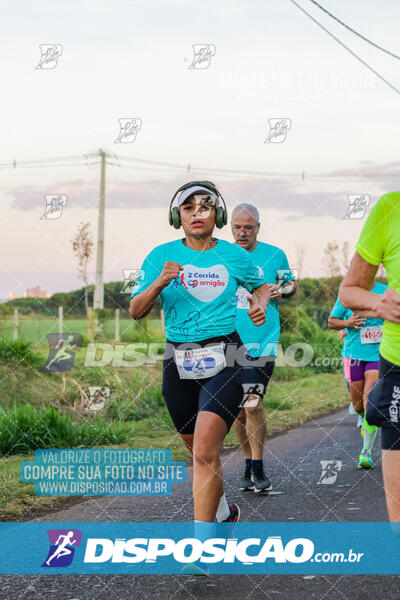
(159, 548)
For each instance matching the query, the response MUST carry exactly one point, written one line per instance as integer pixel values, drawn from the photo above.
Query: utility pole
(98, 300)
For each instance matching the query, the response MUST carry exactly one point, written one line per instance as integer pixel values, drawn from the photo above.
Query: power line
(44, 166)
(152, 162)
(14, 163)
(142, 164)
(347, 48)
(354, 31)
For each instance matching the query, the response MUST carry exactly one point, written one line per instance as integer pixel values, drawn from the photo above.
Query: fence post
(162, 321)
(60, 319)
(15, 333)
(90, 323)
(117, 324)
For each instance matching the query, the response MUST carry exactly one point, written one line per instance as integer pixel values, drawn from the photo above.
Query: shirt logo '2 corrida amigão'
(205, 284)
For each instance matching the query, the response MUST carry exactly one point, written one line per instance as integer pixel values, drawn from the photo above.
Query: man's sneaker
(246, 482)
(261, 480)
(365, 461)
(360, 422)
(195, 568)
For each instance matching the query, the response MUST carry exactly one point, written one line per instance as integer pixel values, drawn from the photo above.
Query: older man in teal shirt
(261, 342)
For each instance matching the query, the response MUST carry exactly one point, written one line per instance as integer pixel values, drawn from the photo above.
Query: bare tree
(346, 256)
(300, 250)
(331, 259)
(82, 245)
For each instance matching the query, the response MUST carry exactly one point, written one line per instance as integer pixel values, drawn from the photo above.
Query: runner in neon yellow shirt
(380, 243)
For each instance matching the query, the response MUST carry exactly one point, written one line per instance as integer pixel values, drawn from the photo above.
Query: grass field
(138, 401)
(135, 410)
(35, 330)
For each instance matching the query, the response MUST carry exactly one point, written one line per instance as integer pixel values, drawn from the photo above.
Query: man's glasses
(247, 228)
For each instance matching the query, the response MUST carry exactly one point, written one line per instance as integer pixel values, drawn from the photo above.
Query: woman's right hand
(170, 271)
(355, 321)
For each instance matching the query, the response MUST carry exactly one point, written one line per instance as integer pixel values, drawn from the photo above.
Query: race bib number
(371, 335)
(242, 298)
(200, 363)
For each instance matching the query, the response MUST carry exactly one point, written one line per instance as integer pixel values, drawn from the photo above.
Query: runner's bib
(371, 335)
(242, 298)
(200, 363)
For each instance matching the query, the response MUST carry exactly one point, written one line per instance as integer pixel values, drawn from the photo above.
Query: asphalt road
(293, 463)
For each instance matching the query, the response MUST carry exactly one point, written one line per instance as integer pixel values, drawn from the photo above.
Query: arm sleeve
(338, 311)
(372, 241)
(151, 269)
(252, 276)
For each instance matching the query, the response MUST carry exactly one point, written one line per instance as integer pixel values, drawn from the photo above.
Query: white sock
(223, 511)
(204, 530)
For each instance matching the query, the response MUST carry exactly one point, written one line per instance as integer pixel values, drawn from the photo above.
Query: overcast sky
(131, 60)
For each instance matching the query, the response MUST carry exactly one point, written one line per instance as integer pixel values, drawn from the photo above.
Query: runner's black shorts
(222, 394)
(383, 408)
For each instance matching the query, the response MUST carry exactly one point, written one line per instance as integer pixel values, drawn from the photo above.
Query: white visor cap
(196, 189)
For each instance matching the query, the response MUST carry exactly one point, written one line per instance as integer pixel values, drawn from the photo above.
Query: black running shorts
(258, 374)
(222, 394)
(383, 408)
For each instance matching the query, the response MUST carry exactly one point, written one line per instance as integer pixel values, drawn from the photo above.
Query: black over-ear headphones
(221, 216)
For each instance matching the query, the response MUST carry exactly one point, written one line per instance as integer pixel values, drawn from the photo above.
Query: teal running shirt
(201, 302)
(263, 340)
(360, 343)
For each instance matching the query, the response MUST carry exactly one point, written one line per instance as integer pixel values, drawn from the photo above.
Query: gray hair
(248, 208)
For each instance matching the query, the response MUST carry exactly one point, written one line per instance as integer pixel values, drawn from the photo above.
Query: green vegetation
(134, 417)
(25, 428)
(42, 410)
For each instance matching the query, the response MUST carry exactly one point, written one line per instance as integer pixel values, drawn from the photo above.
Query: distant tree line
(74, 303)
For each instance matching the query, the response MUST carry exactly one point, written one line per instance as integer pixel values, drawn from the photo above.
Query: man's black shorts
(383, 408)
(256, 377)
(222, 394)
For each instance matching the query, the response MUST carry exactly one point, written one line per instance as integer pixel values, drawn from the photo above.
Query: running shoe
(351, 409)
(246, 482)
(195, 568)
(233, 518)
(365, 461)
(261, 480)
(360, 421)
(234, 515)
